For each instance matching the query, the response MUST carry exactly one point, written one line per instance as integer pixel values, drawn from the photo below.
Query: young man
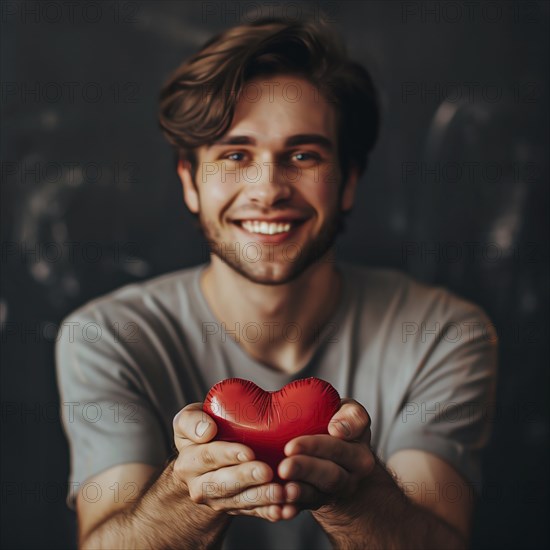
(273, 124)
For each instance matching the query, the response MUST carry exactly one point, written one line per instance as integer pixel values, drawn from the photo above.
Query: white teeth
(265, 228)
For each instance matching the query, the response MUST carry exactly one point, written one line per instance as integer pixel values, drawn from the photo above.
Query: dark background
(456, 194)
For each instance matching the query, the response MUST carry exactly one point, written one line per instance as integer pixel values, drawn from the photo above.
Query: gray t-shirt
(421, 360)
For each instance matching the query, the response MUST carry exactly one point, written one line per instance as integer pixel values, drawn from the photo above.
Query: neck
(277, 325)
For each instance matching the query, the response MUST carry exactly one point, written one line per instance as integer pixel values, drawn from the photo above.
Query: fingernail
(276, 495)
(291, 492)
(242, 457)
(296, 450)
(344, 427)
(257, 474)
(201, 428)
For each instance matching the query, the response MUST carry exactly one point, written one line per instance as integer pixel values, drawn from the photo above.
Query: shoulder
(165, 291)
(386, 285)
(392, 295)
(129, 325)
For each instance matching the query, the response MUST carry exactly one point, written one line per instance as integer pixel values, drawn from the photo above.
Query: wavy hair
(197, 103)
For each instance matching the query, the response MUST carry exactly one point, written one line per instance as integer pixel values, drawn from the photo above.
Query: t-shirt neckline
(335, 320)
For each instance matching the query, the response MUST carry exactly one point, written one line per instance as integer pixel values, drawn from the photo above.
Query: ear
(190, 194)
(348, 194)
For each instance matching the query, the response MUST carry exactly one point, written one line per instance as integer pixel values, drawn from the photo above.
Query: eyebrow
(291, 141)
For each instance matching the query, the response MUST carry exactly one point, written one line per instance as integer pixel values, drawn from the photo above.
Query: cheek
(322, 190)
(215, 193)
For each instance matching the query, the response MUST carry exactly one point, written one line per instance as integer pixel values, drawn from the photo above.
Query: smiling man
(272, 124)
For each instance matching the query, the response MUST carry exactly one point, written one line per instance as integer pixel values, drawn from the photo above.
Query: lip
(276, 238)
(275, 219)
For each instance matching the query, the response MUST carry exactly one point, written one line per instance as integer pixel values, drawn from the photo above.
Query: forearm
(385, 518)
(164, 517)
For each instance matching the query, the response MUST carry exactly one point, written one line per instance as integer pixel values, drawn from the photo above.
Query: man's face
(268, 193)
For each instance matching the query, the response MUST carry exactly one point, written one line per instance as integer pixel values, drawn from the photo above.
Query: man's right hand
(223, 475)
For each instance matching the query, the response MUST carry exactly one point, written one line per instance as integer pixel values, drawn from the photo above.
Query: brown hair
(197, 102)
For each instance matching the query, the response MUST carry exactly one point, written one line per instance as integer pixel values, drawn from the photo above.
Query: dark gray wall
(456, 194)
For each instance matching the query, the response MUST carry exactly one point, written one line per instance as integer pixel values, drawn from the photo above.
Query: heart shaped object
(265, 421)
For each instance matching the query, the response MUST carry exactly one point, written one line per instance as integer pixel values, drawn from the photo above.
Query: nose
(267, 185)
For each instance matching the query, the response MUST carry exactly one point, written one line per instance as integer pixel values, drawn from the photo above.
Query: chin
(275, 273)
(267, 273)
(278, 271)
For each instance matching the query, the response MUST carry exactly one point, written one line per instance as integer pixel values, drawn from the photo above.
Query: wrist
(373, 494)
(179, 493)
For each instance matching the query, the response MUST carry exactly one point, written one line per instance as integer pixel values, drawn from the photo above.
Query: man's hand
(325, 470)
(223, 475)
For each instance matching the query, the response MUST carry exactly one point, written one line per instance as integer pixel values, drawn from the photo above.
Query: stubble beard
(267, 270)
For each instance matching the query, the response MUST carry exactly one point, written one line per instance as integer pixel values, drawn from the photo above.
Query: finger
(325, 475)
(351, 421)
(253, 497)
(304, 496)
(271, 513)
(353, 456)
(193, 424)
(199, 459)
(290, 511)
(229, 481)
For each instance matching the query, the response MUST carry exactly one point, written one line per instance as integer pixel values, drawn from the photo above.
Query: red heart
(265, 421)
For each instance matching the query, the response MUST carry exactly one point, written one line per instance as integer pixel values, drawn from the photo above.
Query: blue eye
(233, 155)
(308, 156)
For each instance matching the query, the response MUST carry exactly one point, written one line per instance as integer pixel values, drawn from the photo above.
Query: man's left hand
(324, 471)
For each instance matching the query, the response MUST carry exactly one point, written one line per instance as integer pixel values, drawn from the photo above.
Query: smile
(266, 228)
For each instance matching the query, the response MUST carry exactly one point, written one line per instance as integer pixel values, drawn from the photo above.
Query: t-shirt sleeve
(106, 416)
(450, 403)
